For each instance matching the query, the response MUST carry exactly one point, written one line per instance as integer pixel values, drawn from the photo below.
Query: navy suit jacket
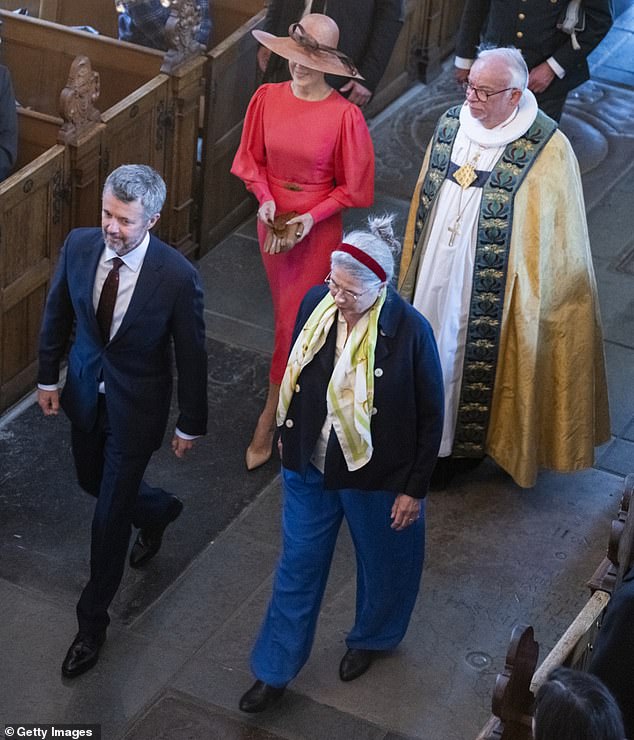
(166, 310)
(408, 405)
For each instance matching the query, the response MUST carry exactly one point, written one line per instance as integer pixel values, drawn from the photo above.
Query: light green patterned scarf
(350, 394)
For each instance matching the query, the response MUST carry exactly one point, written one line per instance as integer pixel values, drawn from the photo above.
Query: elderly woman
(305, 150)
(360, 412)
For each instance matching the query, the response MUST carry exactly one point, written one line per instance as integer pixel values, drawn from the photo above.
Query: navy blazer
(166, 310)
(408, 408)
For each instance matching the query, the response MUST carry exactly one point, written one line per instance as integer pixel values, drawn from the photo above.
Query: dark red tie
(108, 298)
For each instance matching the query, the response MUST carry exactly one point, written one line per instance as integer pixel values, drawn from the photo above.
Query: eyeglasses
(334, 289)
(482, 95)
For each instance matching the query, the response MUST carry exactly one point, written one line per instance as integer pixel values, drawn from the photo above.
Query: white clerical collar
(516, 125)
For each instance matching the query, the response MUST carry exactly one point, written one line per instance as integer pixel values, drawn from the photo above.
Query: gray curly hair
(378, 242)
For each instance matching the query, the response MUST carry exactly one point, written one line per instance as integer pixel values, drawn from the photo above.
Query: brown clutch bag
(287, 234)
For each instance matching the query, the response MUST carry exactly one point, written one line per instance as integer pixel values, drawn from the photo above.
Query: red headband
(364, 258)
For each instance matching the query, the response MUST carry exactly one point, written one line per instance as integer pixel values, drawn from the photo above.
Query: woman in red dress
(306, 149)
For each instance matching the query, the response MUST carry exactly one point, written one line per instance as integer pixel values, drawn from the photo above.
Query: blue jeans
(389, 568)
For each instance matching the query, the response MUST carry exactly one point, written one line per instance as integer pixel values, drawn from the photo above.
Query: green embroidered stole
(490, 266)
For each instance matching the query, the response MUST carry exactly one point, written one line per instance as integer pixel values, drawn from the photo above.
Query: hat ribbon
(306, 41)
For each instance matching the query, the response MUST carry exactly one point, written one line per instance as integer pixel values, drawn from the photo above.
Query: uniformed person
(557, 61)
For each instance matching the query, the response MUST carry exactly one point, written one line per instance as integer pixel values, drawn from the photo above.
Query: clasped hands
(276, 244)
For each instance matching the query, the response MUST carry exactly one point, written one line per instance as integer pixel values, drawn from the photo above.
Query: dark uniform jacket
(407, 417)
(368, 30)
(531, 26)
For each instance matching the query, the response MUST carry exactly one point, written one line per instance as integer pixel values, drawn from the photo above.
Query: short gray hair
(514, 61)
(132, 182)
(378, 242)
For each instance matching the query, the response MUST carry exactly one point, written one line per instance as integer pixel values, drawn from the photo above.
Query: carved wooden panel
(40, 55)
(33, 221)
(134, 132)
(231, 80)
(181, 131)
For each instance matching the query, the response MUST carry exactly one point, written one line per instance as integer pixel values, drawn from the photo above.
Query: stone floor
(176, 660)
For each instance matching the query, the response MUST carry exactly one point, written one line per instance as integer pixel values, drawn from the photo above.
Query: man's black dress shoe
(260, 697)
(83, 654)
(148, 540)
(355, 663)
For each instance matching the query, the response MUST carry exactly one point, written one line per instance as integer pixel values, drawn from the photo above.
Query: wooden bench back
(517, 686)
(39, 55)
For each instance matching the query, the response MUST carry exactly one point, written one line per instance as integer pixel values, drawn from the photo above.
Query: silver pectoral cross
(455, 231)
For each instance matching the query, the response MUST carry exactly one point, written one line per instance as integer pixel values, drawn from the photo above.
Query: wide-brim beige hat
(309, 50)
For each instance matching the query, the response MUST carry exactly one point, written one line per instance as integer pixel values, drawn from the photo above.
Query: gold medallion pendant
(465, 176)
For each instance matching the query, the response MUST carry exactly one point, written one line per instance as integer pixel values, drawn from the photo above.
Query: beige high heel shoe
(260, 448)
(255, 458)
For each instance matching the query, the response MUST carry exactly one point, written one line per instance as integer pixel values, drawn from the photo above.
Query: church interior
(516, 581)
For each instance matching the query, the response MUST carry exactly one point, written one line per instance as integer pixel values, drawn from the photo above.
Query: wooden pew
(149, 113)
(516, 687)
(99, 14)
(67, 147)
(33, 221)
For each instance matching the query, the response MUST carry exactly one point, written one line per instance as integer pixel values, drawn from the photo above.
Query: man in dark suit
(126, 299)
(8, 124)
(556, 64)
(368, 28)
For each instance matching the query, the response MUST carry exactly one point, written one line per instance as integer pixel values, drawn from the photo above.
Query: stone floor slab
(45, 527)
(618, 458)
(616, 299)
(296, 717)
(620, 371)
(129, 673)
(177, 717)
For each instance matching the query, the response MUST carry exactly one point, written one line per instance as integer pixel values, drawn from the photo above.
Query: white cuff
(556, 67)
(182, 435)
(463, 63)
(43, 387)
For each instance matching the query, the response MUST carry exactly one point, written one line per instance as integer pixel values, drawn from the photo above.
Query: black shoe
(355, 663)
(148, 540)
(83, 654)
(260, 696)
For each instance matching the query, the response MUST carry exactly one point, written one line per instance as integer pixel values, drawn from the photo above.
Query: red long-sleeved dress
(307, 156)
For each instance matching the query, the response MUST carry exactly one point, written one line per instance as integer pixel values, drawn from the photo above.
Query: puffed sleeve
(249, 164)
(354, 168)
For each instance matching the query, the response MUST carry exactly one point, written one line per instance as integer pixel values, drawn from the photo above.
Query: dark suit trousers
(115, 477)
